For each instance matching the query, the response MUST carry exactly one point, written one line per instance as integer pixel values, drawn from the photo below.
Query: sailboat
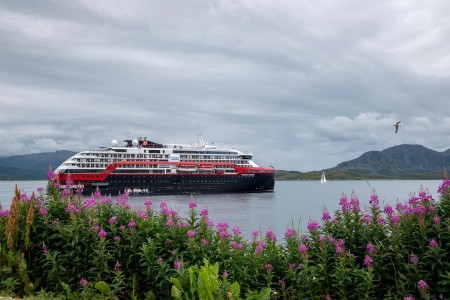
(323, 179)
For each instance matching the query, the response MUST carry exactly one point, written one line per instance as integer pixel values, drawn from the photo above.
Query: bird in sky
(396, 125)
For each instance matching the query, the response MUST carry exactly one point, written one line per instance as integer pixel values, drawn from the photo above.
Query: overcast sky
(303, 85)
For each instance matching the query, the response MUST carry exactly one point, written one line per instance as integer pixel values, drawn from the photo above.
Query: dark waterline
(292, 204)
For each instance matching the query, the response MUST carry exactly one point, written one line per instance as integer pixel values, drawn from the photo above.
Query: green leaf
(103, 287)
(150, 296)
(175, 292)
(176, 283)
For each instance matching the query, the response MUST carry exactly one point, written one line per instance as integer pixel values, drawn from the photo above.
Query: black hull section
(183, 184)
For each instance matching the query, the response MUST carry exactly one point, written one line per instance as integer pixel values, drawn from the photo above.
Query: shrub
(60, 243)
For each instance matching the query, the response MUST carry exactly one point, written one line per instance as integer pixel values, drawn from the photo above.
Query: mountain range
(399, 162)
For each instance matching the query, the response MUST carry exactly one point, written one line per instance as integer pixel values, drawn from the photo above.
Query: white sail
(323, 179)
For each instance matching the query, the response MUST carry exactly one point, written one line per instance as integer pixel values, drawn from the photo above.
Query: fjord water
(292, 204)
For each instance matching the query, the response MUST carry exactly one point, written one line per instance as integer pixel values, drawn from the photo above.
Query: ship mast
(200, 139)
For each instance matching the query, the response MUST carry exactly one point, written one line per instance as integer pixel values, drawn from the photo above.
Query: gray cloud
(302, 85)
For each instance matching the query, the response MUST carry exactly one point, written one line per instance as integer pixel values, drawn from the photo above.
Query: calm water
(293, 203)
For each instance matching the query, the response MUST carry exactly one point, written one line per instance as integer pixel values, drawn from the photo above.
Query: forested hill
(31, 166)
(398, 162)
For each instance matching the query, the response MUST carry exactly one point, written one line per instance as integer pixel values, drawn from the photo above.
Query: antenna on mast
(200, 139)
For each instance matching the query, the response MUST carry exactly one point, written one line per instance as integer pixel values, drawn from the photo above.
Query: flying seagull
(396, 125)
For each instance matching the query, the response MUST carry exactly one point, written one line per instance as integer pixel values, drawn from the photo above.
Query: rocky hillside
(398, 162)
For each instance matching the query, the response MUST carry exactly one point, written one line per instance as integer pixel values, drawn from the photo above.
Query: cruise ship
(141, 166)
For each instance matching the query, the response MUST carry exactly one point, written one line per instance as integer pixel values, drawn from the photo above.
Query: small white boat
(323, 179)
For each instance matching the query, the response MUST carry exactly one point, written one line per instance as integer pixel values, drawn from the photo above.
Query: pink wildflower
(368, 261)
(290, 232)
(83, 282)
(433, 243)
(191, 234)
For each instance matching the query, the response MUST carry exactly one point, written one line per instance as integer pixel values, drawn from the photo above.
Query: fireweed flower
(51, 175)
(313, 226)
(204, 241)
(388, 210)
(178, 264)
(368, 261)
(106, 200)
(325, 215)
(422, 285)
(302, 248)
(259, 248)
(413, 259)
(131, 224)
(83, 282)
(322, 240)
(374, 200)
(433, 243)
(367, 219)
(169, 223)
(271, 236)
(43, 211)
(437, 220)
(394, 220)
(340, 246)
(290, 232)
(420, 210)
(160, 260)
(343, 202)
(225, 274)
(236, 231)
(73, 208)
(97, 194)
(371, 249)
(381, 220)
(44, 248)
(224, 234)
(102, 233)
(255, 234)
(443, 188)
(141, 214)
(191, 234)
(183, 224)
(354, 202)
(413, 200)
(25, 198)
(236, 245)
(268, 267)
(89, 202)
(408, 297)
(148, 202)
(4, 213)
(223, 226)
(116, 238)
(303, 251)
(112, 220)
(192, 204)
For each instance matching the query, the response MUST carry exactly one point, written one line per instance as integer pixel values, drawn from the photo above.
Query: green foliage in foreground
(63, 246)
